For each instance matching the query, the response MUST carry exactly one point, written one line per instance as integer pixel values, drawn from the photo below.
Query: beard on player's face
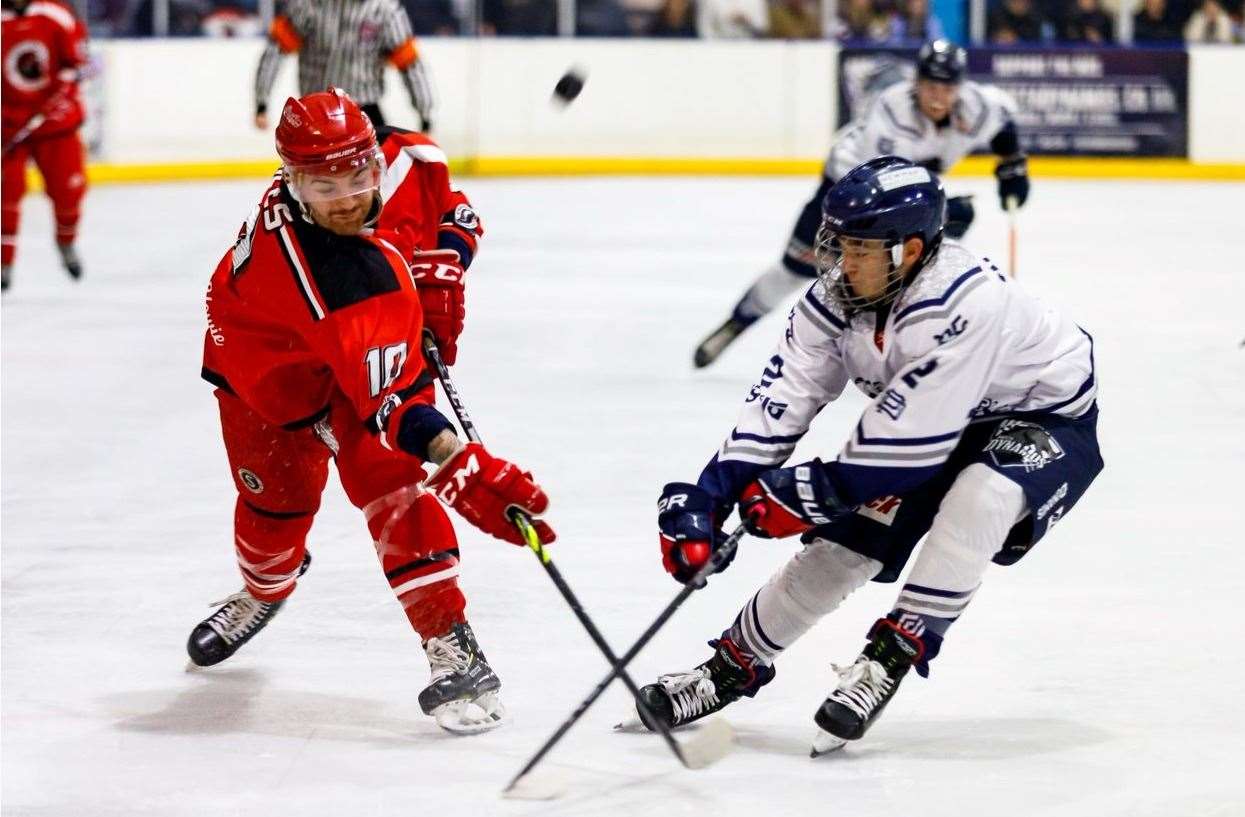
(345, 215)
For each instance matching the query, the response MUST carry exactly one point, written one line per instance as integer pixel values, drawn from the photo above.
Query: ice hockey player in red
(44, 50)
(315, 319)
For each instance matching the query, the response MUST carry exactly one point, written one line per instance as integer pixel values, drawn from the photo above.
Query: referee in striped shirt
(346, 44)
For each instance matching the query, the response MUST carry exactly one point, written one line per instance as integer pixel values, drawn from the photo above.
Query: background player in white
(981, 433)
(934, 120)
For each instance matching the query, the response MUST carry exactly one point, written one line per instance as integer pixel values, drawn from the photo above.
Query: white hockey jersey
(892, 124)
(960, 344)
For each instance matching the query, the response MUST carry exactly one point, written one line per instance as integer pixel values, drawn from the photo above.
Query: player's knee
(821, 576)
(960, 216)
(979, 510)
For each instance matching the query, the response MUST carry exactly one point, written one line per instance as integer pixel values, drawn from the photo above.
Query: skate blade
(471, 717)
(824, 743)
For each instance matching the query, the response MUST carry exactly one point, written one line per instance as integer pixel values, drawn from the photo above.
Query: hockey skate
(717, 341)
(6, 277)
(70, 260)
(684, 697)
(867, 685)
(238, 619)
(464, 692)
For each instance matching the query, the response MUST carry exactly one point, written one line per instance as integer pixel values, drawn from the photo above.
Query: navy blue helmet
(941, 61)
(887, 200)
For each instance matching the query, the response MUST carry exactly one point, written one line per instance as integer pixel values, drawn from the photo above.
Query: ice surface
(1100, 676)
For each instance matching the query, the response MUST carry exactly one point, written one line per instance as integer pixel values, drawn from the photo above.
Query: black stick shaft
(727, 548)
(524, 523)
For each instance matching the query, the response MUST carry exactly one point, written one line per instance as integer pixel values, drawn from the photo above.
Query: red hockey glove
(482, 488)
(439, 279)
(786, 501)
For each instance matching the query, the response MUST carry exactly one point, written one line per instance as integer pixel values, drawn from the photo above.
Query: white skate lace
(862, 686)
(691, 693)
(240, 614)
(444, 657)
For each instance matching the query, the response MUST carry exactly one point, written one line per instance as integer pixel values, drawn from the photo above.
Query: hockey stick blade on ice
(709, 744)
(523, 522)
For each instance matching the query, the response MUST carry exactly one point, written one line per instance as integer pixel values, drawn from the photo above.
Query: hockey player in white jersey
(981, 434)
(934, 120)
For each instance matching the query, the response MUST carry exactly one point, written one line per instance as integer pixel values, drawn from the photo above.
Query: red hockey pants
(60, 162)
(280, 474)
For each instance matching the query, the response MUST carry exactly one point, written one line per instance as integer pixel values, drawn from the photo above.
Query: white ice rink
(1100, 676)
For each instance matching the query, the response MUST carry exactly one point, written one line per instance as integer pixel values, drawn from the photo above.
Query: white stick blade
(542, 785)
(711, 743)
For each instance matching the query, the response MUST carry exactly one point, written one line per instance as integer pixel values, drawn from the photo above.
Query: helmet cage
(828, 252)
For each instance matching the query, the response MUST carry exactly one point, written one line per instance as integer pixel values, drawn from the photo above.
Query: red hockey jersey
(44, 46)
(296, 312)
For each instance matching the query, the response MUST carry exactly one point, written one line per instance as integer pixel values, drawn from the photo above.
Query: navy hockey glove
(1013, 176)
(787, 501)
(688, 529)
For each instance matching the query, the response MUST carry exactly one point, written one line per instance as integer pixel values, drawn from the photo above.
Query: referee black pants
(373, 113)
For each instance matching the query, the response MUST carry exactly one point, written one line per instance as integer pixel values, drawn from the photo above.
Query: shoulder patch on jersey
(346, 269)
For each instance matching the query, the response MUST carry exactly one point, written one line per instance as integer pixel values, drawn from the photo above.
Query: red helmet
(325, 134)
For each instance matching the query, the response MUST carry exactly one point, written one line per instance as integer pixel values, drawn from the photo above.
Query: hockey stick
(36, 120)
(523, 522)
(33, 124)
(1011, 237)
(706, 749)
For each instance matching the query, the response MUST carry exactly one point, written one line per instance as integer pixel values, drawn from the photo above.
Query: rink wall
(182, 109)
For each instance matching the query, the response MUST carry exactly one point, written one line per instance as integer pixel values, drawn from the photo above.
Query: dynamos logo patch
(1017, 444)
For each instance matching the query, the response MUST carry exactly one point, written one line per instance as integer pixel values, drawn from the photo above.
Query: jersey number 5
(384, 364)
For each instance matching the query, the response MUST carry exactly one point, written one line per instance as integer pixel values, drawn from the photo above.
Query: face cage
(301, 178)
(829, 256)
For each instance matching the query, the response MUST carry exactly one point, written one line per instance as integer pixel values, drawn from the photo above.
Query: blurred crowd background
(854, 22)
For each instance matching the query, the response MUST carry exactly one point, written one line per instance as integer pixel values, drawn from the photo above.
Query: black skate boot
(236, 622)
(70, 260)
(683, 697)
(6, 277)
(463, 694)
(867, 685)
(717, 341)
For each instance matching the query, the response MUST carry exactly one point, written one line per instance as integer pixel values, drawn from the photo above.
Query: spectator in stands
(1086, 22)
(1015, 21)
(675, 20)
(1209, 24)
(432, 17)
(914, 24)
(642, 15)
(795, 20)
(864, 21)
(519, 18)
(185, 18)
(600, 18)
(732, 19)
(1156, 23)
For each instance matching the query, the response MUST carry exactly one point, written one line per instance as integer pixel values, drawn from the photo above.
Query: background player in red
(314, 334)
(44, 48)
